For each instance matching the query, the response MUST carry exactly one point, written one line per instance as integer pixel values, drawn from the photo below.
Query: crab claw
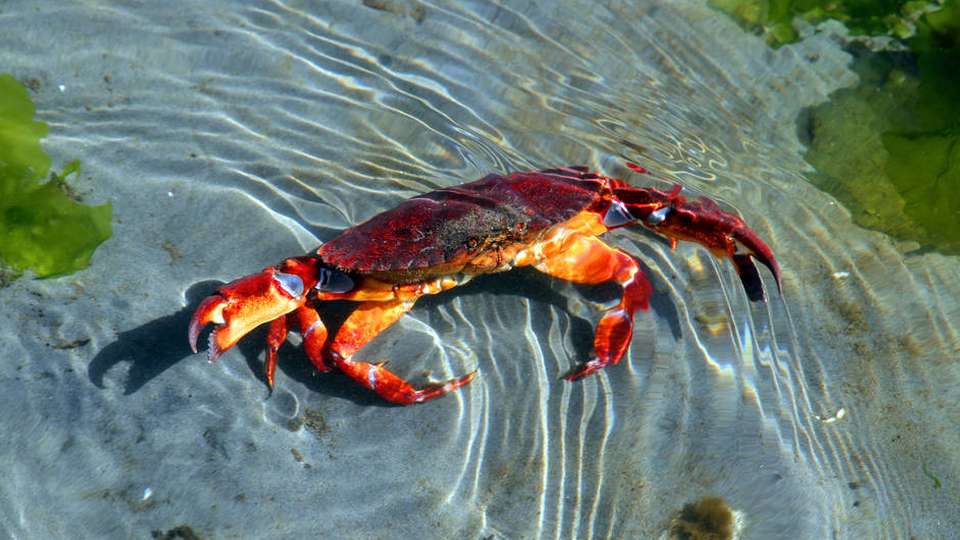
(724, 234)
(703, 221)
(242, 305)
(743, 262)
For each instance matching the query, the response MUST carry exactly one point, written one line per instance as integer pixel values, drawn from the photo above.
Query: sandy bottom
(231, 136)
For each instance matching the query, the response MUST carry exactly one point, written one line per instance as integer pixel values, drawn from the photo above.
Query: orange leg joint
(588, 260)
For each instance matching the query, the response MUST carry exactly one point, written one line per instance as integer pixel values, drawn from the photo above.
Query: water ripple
(230, 136)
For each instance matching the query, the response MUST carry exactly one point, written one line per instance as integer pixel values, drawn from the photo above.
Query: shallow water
(230, 136)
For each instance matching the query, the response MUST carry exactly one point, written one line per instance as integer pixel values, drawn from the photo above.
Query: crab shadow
(156, 346)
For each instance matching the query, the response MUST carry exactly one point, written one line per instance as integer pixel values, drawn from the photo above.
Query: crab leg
(365, 323)
(314, 335)
(588, 260)
(276, 335)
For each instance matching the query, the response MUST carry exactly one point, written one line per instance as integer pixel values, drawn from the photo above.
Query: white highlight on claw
(147, 493)
(841, 275)
(312, 327)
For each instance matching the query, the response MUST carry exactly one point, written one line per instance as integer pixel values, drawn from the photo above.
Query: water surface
(231, 135)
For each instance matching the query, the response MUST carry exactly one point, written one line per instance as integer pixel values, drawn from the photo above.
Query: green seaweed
(42, 228)
(889, 148)
(773, 19)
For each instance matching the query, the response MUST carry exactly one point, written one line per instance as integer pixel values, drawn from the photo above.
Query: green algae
(773, 19)
(889, 148)
(42, 228)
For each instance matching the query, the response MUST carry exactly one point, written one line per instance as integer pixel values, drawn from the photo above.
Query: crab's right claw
(240, 306)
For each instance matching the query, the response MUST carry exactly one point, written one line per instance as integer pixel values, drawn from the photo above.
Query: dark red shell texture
(440, 226)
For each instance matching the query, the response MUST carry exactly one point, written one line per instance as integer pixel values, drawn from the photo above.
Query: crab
(548, 219)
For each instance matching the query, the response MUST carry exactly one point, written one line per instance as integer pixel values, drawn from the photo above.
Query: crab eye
(617, 215)
(657, 217)
(290, 283)
(333, 282)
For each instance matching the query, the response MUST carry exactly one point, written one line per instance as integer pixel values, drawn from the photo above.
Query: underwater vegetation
(774, 18)
(42, 227)
(889, 148)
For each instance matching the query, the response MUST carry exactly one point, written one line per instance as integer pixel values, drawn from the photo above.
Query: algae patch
(42, 228)
(889, 148)
(773, 19)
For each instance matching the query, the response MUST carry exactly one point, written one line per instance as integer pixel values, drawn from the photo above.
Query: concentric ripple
(232, 135)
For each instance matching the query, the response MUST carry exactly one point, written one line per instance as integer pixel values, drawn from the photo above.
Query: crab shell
(448, 230)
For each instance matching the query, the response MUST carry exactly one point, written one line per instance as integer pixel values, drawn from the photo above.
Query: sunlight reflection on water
(277, 125)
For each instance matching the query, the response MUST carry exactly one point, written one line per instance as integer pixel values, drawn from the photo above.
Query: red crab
(547, 219)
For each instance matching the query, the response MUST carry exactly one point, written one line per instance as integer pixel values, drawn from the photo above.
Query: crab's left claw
(242, 305)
